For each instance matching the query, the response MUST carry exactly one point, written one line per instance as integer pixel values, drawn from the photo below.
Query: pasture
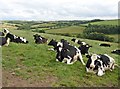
(106, 22)
(71, 30)
(35, 65)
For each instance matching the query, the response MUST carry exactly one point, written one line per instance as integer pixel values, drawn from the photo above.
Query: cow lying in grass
(14, 38)
(117, 51)
(39, 39)
(99, 63)
(105, 45)
(65, 52)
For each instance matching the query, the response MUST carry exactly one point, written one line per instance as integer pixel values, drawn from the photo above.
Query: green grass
(106, 22)
(71, 29)
(35, 62)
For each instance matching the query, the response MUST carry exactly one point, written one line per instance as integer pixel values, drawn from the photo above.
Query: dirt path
(10, 80)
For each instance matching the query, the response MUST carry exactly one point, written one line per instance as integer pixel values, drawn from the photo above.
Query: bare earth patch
(11, 80)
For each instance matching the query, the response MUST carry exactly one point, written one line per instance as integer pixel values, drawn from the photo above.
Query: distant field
(36, 64)
(115, 36)
(106, 22)
(71, 29)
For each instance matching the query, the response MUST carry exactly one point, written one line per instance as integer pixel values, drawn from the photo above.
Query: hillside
(71, 29)
(105, 22)
(36, 65)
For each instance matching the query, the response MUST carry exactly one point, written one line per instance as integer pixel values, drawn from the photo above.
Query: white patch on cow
(60, 44)
(23, 39)
(93, 58)
(76, 41)
(83, 43)
(69, 60)
(87, 45)
(79, 55)
(100, 72)
(40, 38)
(8, 42)
(57, 60)
(15, 36)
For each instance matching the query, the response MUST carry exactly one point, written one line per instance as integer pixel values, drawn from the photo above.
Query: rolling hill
(36, 64)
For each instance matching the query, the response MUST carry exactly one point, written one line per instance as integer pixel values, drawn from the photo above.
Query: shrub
(98, 36)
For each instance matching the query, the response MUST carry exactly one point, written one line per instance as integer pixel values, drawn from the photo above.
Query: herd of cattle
(67, 53)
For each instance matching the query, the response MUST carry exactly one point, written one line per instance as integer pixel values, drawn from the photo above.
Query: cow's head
(91, 61)
(84, 48)
(53, 43)
(5, 31)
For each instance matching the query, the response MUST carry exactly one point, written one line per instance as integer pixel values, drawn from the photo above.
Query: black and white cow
(39, 39)
(99, 63)
(16, 39)
(117, 51)
(105, 45)
(66, 53)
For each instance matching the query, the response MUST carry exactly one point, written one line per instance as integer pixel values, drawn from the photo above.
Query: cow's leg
(69, 60)
(7, 42)
(81, 59)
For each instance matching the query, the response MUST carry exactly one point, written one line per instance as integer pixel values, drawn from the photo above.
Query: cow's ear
(88, 56)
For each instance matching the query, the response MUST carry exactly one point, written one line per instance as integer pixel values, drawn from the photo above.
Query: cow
(117, 51)
(39, 39)
(84, 48)
(99, 63)
(16, 39)
(66, 53)
(105, 45)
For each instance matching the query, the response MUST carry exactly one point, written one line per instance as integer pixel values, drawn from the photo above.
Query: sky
(51, 10)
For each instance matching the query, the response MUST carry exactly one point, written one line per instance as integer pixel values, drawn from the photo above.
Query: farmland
(35, 66)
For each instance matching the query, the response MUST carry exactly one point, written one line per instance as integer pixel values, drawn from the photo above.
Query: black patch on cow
(105, 60)
(84, 49)
(89, 61)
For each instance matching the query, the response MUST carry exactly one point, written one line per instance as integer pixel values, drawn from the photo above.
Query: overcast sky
(58, 9)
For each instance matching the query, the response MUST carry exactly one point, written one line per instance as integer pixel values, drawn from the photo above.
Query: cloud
(58, 9)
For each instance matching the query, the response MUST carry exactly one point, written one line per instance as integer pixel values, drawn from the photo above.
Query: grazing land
(35, 66)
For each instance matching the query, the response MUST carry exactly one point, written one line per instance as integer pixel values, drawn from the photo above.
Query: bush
(38, 30)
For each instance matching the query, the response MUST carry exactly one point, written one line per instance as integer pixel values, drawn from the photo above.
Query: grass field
(71, 29)
(106, 22)
(36, 64)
